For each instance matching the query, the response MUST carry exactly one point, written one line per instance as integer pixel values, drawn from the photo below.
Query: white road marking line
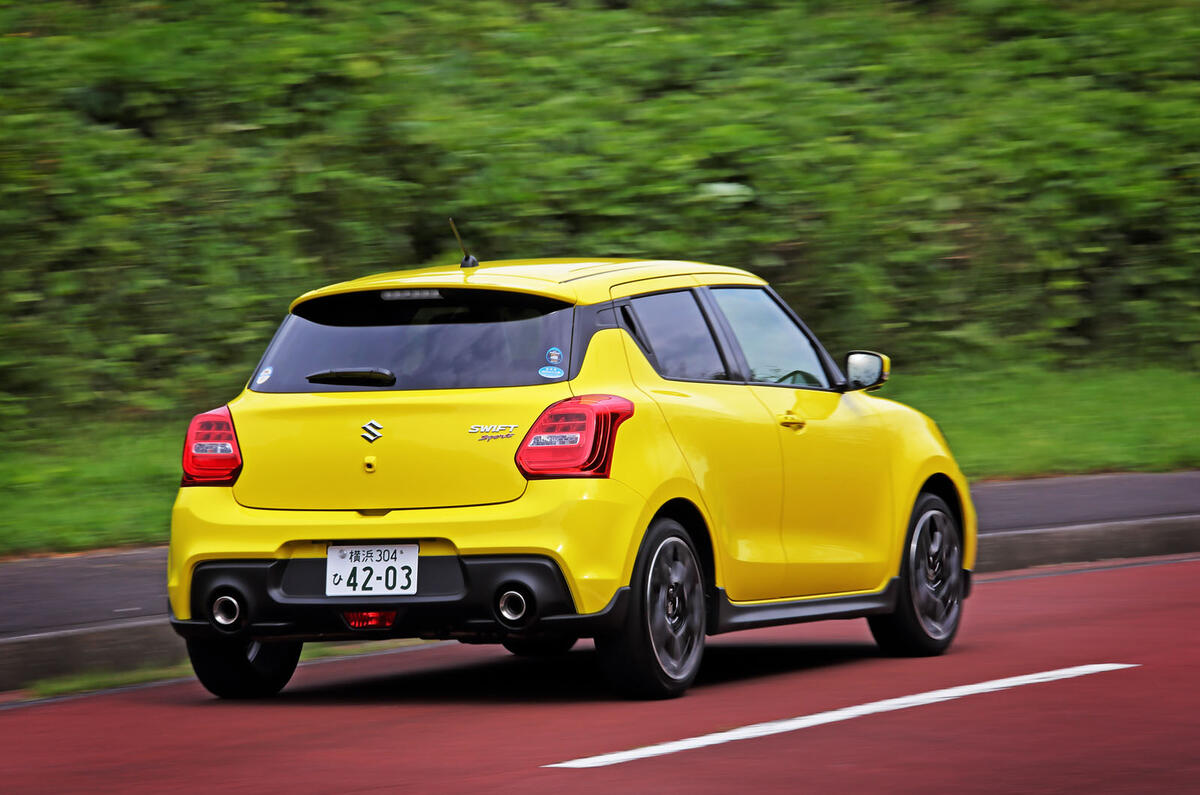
(833, 716)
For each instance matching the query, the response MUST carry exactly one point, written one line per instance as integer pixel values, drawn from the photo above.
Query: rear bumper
(589, 529)
(457, 599)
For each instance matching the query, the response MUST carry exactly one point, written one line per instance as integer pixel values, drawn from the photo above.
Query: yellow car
(530, 452)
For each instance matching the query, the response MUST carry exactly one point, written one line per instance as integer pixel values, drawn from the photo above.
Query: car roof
(577, 281)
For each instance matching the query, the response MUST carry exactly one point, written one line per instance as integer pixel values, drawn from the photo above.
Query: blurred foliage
(1013, 179)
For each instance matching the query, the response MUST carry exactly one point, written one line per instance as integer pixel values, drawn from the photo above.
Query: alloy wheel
(935, 574)
(675, 608)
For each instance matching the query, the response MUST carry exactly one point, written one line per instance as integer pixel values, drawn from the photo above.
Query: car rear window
(426, 339)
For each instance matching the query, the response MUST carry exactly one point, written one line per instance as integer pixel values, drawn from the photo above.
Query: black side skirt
(729, 616)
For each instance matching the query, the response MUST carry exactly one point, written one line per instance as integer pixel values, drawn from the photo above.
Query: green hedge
(1001, 178)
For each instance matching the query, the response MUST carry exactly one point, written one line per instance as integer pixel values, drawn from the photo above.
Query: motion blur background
(1004, 195)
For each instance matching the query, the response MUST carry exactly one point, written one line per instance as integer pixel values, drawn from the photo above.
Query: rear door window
(418, 339)
(776, 348)
(679, 336)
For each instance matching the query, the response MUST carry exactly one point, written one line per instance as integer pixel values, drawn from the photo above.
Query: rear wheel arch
(688, 514)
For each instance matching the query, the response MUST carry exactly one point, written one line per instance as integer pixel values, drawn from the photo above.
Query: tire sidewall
(629, 655)
(906, 609)
(225, 669)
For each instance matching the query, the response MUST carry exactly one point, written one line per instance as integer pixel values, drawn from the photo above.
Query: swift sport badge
(372, 429)
(489, 432)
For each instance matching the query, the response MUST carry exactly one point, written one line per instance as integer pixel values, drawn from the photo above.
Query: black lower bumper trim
(456, 598)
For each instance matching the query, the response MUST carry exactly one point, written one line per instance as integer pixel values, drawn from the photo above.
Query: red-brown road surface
(451, 718)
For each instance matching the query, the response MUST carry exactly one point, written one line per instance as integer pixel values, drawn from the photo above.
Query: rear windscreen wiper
(354, 376)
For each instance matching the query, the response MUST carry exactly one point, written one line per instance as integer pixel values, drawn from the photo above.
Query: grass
(1023, 423)
(90, 486)
(107, 680)
(104, 680)
(113, 484)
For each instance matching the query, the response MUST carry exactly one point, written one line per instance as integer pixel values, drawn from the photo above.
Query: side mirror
(866, 370)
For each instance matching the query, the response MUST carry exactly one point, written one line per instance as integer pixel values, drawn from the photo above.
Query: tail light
(574, 438)
(211, 456)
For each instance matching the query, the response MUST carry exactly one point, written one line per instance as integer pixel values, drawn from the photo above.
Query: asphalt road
(42, 594)
(1055, 502)
(453, 718)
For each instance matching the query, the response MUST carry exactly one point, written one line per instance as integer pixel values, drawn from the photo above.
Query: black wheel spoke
(658, 622)
(935, 579)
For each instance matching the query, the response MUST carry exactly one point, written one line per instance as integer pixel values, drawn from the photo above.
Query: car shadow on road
(733, 662)
(573, 677)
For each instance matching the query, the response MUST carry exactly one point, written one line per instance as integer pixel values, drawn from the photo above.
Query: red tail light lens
(211, 456)
(370, 619)
(574, 438)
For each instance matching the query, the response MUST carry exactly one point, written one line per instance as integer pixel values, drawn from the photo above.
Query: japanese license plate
(374, 570)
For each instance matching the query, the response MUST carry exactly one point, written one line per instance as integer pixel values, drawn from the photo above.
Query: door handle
(790, 420)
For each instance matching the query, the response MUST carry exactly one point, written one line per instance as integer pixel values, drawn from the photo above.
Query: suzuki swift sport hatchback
(531, 452)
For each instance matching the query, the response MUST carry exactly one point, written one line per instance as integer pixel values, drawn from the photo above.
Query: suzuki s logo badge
(372, 429)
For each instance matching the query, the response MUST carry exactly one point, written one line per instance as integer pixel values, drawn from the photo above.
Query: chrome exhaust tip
(226, 611)
(512, 606)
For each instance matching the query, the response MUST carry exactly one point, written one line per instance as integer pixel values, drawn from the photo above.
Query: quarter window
(776, 349)
(679, 336)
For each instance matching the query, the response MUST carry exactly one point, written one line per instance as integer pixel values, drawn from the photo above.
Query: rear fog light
(370, 619)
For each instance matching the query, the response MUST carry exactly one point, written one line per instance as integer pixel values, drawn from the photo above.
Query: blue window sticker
(551, 372)
(554, 356)
(263, 376)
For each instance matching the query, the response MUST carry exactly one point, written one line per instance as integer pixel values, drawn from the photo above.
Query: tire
(241, 668)
(544, 646)
(929, 606)
(657, 653)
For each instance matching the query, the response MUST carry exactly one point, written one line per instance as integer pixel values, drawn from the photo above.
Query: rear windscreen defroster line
(381, 340)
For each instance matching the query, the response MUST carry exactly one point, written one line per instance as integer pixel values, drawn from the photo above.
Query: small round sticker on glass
(551, 372)
(264, 376)
(554, 356)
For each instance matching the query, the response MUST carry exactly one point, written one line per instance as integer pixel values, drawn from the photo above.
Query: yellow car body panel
(837, 507)
(425, 472)
(790, 514)
(713, 425)
(918, 452)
